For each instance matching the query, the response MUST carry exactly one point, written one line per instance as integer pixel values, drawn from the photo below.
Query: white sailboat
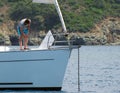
(40, 68)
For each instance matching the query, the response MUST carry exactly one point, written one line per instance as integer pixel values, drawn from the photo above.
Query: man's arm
(21, 30)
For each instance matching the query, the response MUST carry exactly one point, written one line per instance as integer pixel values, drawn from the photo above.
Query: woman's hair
(27, 21)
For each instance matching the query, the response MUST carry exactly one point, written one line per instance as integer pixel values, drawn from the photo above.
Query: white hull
(33, 69)
(41, 68)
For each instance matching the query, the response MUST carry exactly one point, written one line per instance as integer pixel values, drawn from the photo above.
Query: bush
(79, 15)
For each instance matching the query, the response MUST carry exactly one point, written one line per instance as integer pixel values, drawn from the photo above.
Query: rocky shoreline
(106, 32)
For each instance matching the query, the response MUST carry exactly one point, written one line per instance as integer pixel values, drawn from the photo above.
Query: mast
(55, 2)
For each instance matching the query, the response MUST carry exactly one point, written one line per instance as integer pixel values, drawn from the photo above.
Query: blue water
(99, 71)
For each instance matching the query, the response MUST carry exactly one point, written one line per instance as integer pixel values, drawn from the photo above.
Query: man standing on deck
(23, 29)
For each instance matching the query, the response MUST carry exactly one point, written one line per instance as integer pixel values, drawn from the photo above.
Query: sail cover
(44, 1)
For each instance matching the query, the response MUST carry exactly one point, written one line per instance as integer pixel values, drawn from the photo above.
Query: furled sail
(44, 1)
(47, 41)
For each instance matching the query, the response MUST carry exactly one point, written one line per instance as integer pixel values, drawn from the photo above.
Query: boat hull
(34, 69)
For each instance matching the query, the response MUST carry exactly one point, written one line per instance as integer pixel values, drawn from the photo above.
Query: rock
(34, 41)
(78, 41)
(14, 40)
(104, 33)
(7, 40)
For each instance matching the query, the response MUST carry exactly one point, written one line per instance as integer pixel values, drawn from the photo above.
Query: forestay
(55, 2)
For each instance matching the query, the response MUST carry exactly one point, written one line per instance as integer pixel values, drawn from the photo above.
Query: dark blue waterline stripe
(25, 60)
(32, 88)
(17, 83)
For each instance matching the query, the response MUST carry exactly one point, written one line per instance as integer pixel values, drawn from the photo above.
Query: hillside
(90, 20)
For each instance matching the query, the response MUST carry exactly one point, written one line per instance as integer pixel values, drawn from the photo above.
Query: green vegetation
(79, 15)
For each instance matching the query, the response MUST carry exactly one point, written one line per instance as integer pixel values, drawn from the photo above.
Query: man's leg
(26, 33)
(20, 37)
(20, 42)
(26, 42)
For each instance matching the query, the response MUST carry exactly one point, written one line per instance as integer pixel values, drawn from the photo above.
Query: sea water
(99, 71)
